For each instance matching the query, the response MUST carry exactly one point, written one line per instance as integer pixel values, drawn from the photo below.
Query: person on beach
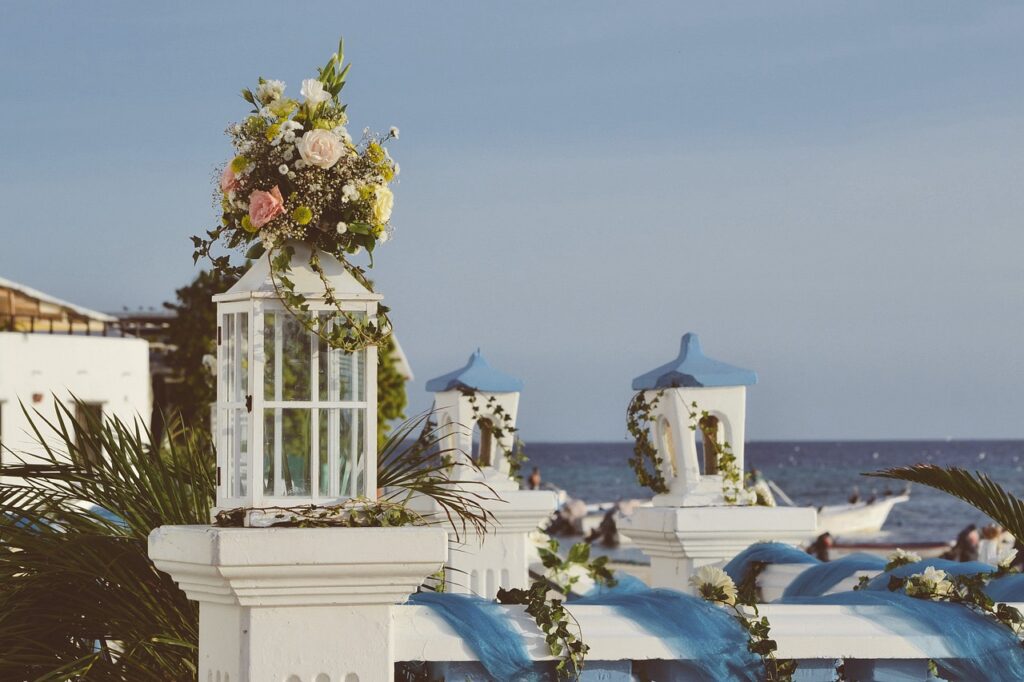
(820, 548)
(534, 480)
(966, 546)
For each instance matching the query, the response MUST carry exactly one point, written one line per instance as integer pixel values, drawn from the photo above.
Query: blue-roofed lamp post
(475, 407)
(696, 523)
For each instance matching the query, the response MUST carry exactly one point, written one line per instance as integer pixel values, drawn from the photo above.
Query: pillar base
(501, 558)
(295, 603)
(679, 540)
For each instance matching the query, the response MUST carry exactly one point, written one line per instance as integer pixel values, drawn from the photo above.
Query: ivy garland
(759, 629)
(359, 512)
(646, 461)
(498, 429)
(560, 628)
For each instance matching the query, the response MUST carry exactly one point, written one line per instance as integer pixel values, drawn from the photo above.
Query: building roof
(477, 375)
(692, 368)
(29, 292)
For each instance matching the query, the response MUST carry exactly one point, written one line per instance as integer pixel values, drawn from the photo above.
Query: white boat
(857, 518)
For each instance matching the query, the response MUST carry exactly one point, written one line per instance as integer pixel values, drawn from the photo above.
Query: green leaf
(255, 251)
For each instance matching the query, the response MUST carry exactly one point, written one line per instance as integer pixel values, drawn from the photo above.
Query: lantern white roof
(256, 282)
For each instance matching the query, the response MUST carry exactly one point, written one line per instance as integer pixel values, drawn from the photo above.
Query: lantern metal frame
(242, 405)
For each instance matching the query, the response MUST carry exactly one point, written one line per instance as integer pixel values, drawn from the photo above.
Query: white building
(52, 350)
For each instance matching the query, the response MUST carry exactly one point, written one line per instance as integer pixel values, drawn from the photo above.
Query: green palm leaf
(976, 489)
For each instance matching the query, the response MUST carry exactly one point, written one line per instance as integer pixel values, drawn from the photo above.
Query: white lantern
(296, 420)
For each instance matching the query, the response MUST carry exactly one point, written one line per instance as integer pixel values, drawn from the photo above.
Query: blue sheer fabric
(768, 553)
(486, 630)
(1007, 588)
(709, 642)
(881, 581)
(819, 579)
(978, 647)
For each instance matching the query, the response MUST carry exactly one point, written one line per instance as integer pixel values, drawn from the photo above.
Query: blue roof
(478, 375)
(693, 368)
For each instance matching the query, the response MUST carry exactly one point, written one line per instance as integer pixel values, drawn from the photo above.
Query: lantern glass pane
(286, 452)
(342, 463)
(341, 375)
(287, 366)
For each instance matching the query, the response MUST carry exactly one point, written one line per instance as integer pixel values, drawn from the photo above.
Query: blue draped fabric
(980, 648)
(1007, 588)
(881, 581)
(709, 642)
(768, 553)
(486, 630)
(819, 579)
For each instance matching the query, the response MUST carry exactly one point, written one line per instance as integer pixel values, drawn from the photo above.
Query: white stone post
(691, 526)
(297, 604)
(501, 558)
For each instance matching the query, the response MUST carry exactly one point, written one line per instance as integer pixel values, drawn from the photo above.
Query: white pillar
(679, 540)
(297, 604)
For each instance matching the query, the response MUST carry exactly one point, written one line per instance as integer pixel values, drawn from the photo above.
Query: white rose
(383, 202)
(320, 148)
(313, 91)
(270, 91)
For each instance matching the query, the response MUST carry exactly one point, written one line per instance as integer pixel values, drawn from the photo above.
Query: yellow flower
(273, 131)
(302, 215)
(383, 202)
(247, 225)
(283, 108)
(239, 164)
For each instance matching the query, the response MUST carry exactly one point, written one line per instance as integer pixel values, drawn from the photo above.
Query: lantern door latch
(248, 403)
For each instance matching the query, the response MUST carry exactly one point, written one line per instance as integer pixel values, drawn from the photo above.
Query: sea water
(811, 473)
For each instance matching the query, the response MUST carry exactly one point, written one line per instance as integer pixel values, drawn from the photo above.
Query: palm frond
(409, 466)
(79, 598)
(976, 489)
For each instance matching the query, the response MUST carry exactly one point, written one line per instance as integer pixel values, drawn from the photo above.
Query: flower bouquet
(298, 176)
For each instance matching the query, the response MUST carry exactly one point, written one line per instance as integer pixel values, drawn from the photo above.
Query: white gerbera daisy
(714, 584)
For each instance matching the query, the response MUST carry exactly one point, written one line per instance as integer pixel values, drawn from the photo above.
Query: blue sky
(829, 193)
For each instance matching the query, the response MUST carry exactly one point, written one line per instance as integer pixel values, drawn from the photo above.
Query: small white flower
(349, 192)
(313, 91)
(270, 91)
(398, 170)
(289, 137)
(300, 164)
(386, 235)
(342, 228)
(900, 557)
(291, 175)
(1006, 558)
(289, 154)
(714, 584)
(393, 132)
(291, 126)
(283, 169)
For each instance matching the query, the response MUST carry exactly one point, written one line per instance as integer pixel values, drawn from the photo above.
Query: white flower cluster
(931, 584)
(901, 557)
(571, 577)
(714, 584)
(270, 91)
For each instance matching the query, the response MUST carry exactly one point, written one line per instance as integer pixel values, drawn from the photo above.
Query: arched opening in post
(668, 447)
(483, 442)
(708, 438)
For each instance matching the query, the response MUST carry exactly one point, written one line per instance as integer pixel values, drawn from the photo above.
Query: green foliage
(562, 636)
(646, 461)
(76, 585)
(758, 628)
(977, 489)
(391, 397)
(191, 331)
(499, 429)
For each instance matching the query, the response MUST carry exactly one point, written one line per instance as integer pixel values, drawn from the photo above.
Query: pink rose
(265, 206)
(228, 180)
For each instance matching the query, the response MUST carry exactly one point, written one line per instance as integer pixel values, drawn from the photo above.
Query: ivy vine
(561, 630)
(646, 462)
(359, 512)
(499, 429)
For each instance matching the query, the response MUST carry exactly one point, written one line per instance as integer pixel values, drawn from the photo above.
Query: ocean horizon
(812, 473)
